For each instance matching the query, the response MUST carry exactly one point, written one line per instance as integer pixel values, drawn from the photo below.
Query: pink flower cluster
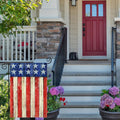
(114, 91)
(57, 90)
(109, 101)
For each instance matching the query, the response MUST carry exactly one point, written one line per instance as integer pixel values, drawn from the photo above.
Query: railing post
(60, 58)
(65, 45)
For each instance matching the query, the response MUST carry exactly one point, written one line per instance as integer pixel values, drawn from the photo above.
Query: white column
(117, 18)
(66, 2)
(33, 17)
(118, 7)
(50, 11)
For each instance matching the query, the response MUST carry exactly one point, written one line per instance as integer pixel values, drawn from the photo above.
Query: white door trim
(108, 33)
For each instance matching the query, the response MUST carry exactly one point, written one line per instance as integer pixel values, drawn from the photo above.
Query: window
(100, 9)
(87, 9)
(94, 10)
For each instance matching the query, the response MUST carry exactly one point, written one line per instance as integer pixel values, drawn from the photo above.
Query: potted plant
(110, 104)
(54, 101)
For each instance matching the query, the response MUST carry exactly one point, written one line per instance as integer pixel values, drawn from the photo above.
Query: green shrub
(4, 100)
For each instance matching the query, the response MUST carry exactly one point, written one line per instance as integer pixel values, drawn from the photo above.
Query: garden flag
(28, 90)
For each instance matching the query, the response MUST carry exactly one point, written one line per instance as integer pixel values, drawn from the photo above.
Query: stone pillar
(117, 22)
(118, 53)
(48, 38)
(48, 29)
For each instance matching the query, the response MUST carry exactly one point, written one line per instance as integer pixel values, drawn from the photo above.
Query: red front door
(94, 28)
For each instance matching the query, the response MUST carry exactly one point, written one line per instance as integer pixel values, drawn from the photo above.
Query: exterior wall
(62, 8)
(75, 17)
(73, 26)
(48, 38)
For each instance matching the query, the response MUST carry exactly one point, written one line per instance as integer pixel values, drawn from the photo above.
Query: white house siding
(75, 18)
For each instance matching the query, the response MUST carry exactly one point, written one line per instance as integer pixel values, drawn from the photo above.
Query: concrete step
(86, 78)
(79, 111)
(82, 105)
(79, 114)
(88, 83)
(89, 62)
(79, 117)
(82, 93)
(87, 68)
(83, 98)
(86, 73)
(85, 88)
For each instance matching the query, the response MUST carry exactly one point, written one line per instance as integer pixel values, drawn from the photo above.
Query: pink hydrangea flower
(61, 90)
(112, 106)
(114, 91)
(109, 101)
(102, 104)
(117, 101)
(104, 97)
(54, 91)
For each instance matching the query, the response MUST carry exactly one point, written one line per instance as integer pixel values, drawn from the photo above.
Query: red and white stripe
(28, 97)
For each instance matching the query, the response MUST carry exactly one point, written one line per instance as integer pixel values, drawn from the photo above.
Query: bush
(54, 99)
(4, 100)
(110, 100)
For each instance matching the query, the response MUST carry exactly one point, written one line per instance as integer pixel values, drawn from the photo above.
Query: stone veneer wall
(118, 41)
(118, 54)
(48, 38)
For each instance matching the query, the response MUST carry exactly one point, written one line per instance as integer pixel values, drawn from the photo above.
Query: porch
(82, 79)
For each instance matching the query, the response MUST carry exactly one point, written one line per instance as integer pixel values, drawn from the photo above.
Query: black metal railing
(60, 59)
(113, 51)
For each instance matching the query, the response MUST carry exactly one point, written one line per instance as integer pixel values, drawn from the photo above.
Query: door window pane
(94, 10)
(87, 10)
(100, 9)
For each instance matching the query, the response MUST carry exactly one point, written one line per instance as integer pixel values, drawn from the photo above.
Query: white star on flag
(35, 72)
(35, 66)
(20, 72)
(28, 65)
(13, 72)
(43, 65)
(43, 71)
(13, 65)
(20, 66)
(28, 71)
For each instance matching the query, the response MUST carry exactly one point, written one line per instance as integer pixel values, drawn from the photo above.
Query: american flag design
(28, 90)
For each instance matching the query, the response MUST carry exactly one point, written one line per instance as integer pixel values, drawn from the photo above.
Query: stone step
(83, 98)
(81, 105)
(86, 73)
(79, 111)
(79, 117)
(88, 83)
(87, 68)
(79, 114)
(89, 62)
(85, 88)
(82, 93)
(86, 78)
